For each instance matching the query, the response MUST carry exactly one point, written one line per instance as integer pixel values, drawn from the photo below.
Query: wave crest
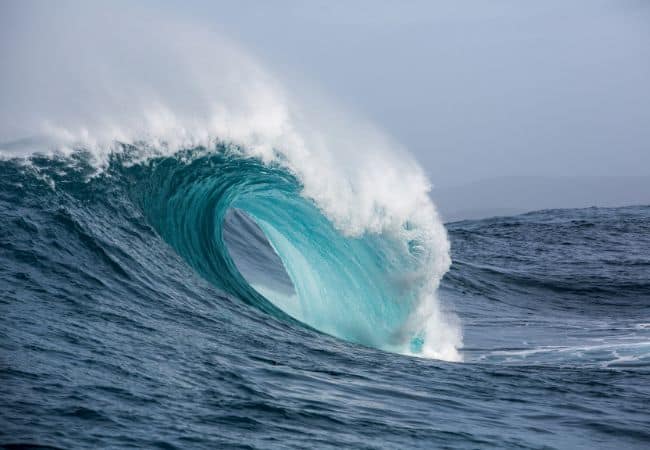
(357, 192)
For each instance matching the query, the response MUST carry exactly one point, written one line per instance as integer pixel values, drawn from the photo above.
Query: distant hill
(518, 194)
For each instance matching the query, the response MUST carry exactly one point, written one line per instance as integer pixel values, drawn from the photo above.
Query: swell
(581, 259)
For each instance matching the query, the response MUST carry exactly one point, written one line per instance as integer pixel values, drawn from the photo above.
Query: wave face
(352, 287)
(367, 289)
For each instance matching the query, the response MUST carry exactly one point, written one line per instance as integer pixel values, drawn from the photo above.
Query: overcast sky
(474, 89)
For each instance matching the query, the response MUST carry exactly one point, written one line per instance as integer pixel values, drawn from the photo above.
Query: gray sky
(474, 89)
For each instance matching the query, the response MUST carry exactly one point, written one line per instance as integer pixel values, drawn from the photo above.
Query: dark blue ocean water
(124, 325)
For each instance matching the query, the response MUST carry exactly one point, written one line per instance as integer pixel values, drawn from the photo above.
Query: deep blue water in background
(115, 332)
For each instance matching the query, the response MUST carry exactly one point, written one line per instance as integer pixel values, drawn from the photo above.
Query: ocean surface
(200, 300)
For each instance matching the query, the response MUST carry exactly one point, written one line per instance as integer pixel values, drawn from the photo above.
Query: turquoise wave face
(344, 286)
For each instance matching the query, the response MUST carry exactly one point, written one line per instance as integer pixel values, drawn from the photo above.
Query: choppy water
(130, 317)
